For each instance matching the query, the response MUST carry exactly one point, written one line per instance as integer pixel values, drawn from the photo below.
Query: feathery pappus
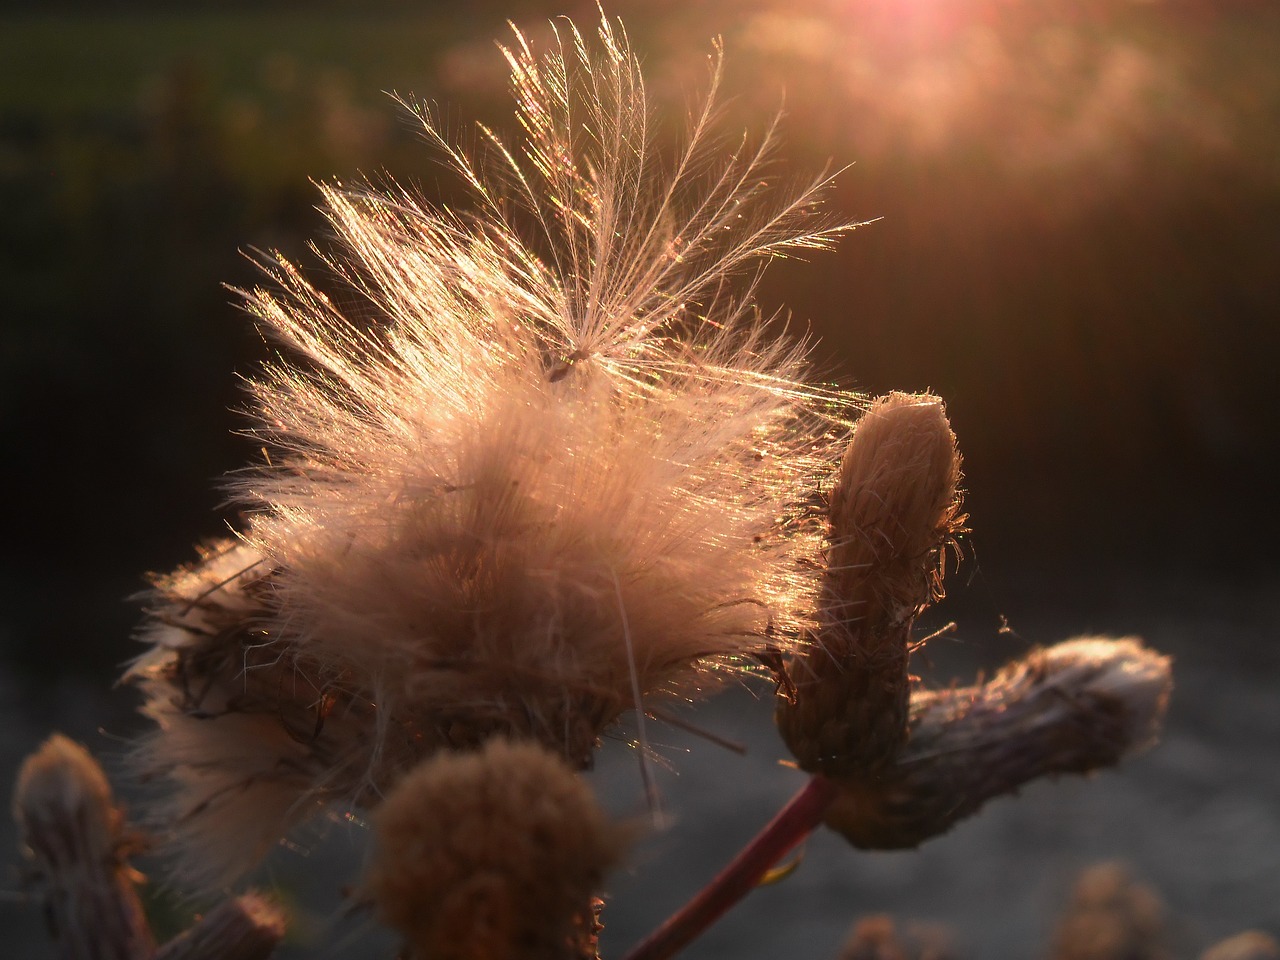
(562, 474)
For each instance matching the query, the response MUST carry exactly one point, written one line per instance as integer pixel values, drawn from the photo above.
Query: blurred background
(1077, 244)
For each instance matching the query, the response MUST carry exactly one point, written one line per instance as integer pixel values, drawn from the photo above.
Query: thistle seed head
(540, 469)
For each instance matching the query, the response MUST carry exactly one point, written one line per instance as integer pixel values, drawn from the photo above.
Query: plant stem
(792, 824)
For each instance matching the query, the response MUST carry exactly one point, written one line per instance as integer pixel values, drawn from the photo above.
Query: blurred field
(1078, 245)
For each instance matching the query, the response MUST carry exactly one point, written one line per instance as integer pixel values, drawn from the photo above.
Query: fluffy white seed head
(540, 468)
(563, 458)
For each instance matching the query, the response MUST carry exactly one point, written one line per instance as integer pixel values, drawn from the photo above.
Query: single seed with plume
(541, 468)
(894, 509)
(490, 854)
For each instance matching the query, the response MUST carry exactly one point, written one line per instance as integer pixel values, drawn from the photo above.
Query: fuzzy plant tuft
(530, 468)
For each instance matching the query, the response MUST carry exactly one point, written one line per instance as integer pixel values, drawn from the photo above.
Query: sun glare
(1015, 86)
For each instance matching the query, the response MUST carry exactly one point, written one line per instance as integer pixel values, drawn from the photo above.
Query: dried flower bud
(874, 938)
(1069, 708)
(1249, 945)
(894, 509)
(492, 854)
(1111, 917)
(76, 845)
(878, 937)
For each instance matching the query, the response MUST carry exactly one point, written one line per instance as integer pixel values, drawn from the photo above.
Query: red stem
(793, 823)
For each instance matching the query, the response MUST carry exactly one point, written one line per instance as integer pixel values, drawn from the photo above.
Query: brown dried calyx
(895, 509)
(491, 855)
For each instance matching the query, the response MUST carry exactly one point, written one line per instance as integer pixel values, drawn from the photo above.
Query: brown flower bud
(1249, 945)
(1070, 708)
(491, 855)
(1111, 917)
(874, 938)
(894, 509)
(76, 845)
(878, 937)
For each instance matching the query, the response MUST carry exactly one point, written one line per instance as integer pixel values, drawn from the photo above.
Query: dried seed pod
(1070, 708)
(874, 938)
(894, 509)
(492, 854)
(879, 937)
(1249, 945)
(1111, 917)
(76, 846)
